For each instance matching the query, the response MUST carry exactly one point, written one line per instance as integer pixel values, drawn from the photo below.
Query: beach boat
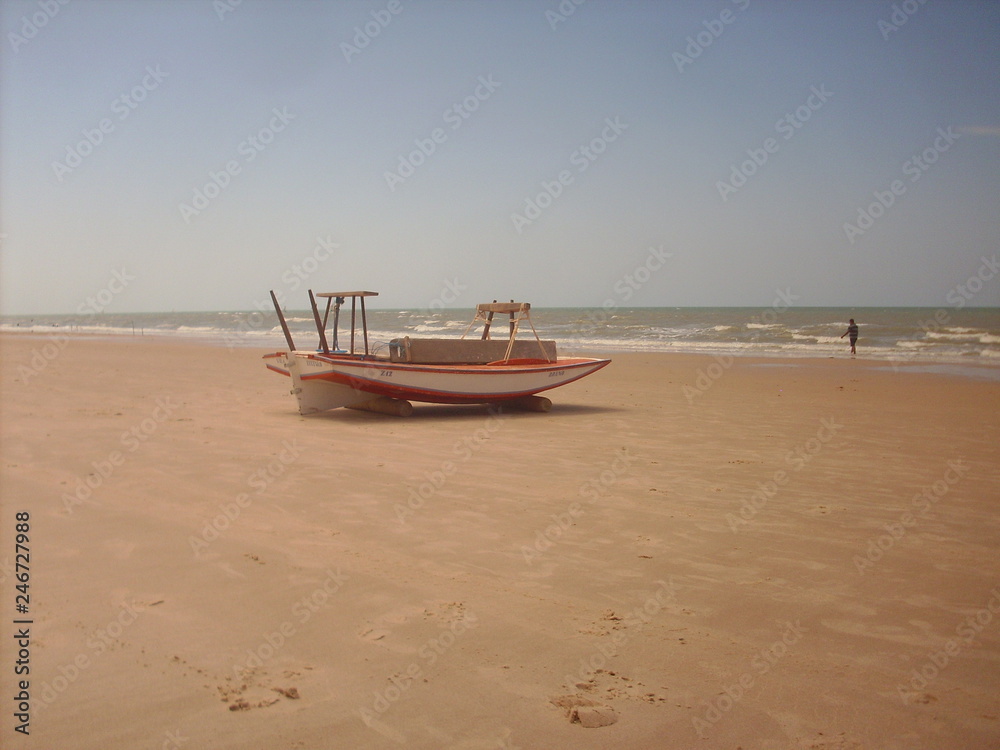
(464, 370)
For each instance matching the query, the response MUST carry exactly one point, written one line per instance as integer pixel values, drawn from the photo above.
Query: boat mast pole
(326, 315)
(489, 321)
(284, 325)
(354, 308)
(319, 323)
(364, 324)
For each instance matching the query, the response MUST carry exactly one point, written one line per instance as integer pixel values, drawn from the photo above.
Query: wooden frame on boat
(334, 300)
(432, 370)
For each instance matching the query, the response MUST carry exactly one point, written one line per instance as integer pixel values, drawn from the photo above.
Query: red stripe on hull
(414, 393)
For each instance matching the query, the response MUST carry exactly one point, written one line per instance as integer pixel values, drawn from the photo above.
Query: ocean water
(895, 334)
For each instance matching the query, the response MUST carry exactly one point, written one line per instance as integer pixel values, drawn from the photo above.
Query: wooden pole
(319, 323)
(284, 325)
(326, 315)
(364, 324)
(354, 307)
(489, 322)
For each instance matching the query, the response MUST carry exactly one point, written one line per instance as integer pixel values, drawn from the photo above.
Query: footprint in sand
(250, 688)
(252, 691)
(612, 685)
(373, 634)
(379, 629)
(840, 742)
(585, 712)
(382, 626)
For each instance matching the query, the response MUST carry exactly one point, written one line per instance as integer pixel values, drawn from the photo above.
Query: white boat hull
(328, 381)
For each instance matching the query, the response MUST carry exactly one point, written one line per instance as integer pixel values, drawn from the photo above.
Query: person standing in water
(852, 329)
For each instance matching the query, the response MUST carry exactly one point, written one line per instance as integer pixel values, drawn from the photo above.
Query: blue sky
(192, 154)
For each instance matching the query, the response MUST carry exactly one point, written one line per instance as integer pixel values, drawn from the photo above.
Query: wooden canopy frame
(334, 300)
(516, 311)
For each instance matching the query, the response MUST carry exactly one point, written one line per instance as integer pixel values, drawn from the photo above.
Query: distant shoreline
(897, 335)
(970, 370)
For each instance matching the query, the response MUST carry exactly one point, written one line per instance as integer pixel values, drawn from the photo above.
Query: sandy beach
(684, 553)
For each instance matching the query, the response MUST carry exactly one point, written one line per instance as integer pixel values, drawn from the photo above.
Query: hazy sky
(192, 154)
